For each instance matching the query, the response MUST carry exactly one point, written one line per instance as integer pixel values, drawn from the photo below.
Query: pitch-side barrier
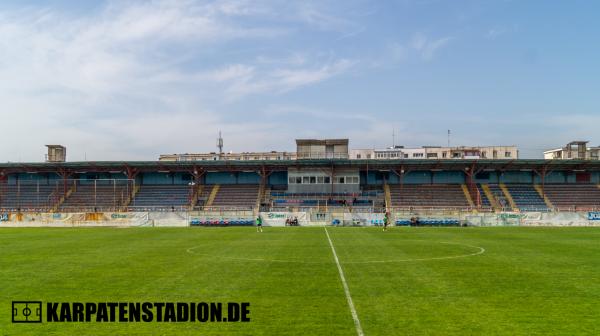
(311, 217)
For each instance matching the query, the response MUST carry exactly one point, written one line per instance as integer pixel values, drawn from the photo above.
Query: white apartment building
(438, 153)
(244, 156)
(574, 150)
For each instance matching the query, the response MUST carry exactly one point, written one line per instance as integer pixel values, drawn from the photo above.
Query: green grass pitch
(407, 281)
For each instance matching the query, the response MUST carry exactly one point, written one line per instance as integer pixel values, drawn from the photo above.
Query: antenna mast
(448, 138)
(220, 145)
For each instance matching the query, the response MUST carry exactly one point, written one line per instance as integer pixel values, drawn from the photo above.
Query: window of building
(507, 154)
(320, 179)
(298, 179)
(305, 180)
(417, 155)
(358, 156)
(327, 179)
(291, 180)
(444, 155)
(431, 155)
(341, 179)
(368, 156)
(313, 179)
(456, 155)
(483, 154)
(354, 179)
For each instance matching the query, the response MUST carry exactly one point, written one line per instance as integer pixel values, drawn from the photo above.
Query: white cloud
(138, 78)
(242, 80)
(427, 47)
(496, 32)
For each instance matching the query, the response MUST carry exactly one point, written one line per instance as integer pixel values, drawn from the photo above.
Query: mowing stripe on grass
(359, 330)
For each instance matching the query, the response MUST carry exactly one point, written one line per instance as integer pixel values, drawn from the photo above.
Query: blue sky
(129, 80)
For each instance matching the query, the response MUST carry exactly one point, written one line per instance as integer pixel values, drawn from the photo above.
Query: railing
(576, 208)
(321, 155)
(76, 209)
(224, 208)
(161, 208)
(360, 209)
(299, 208)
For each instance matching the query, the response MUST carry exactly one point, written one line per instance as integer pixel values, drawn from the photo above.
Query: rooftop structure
(56, 153)
(578, 150)
(322, 149)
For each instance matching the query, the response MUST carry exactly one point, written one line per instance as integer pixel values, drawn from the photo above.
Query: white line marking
(481, 251)
(359, 330)
(191, 251)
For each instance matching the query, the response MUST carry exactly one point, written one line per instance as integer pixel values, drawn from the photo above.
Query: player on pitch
(259, 224)
(386, 220)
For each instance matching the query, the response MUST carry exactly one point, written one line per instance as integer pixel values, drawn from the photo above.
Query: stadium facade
(320, 188)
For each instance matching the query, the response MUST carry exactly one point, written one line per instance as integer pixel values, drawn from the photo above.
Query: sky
(129, 80)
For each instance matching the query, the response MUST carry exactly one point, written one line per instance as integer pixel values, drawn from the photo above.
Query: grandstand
(364, 199)
(485, 201)
(572, 197)
(335, 184)
(161, 197)
(238, 195)
(98, 195)
(526, 198)
(428, 196)
(40, 197)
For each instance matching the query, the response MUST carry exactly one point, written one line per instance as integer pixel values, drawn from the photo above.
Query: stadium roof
(280, 165)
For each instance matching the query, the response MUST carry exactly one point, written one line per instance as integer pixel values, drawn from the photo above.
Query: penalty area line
(359, 330)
